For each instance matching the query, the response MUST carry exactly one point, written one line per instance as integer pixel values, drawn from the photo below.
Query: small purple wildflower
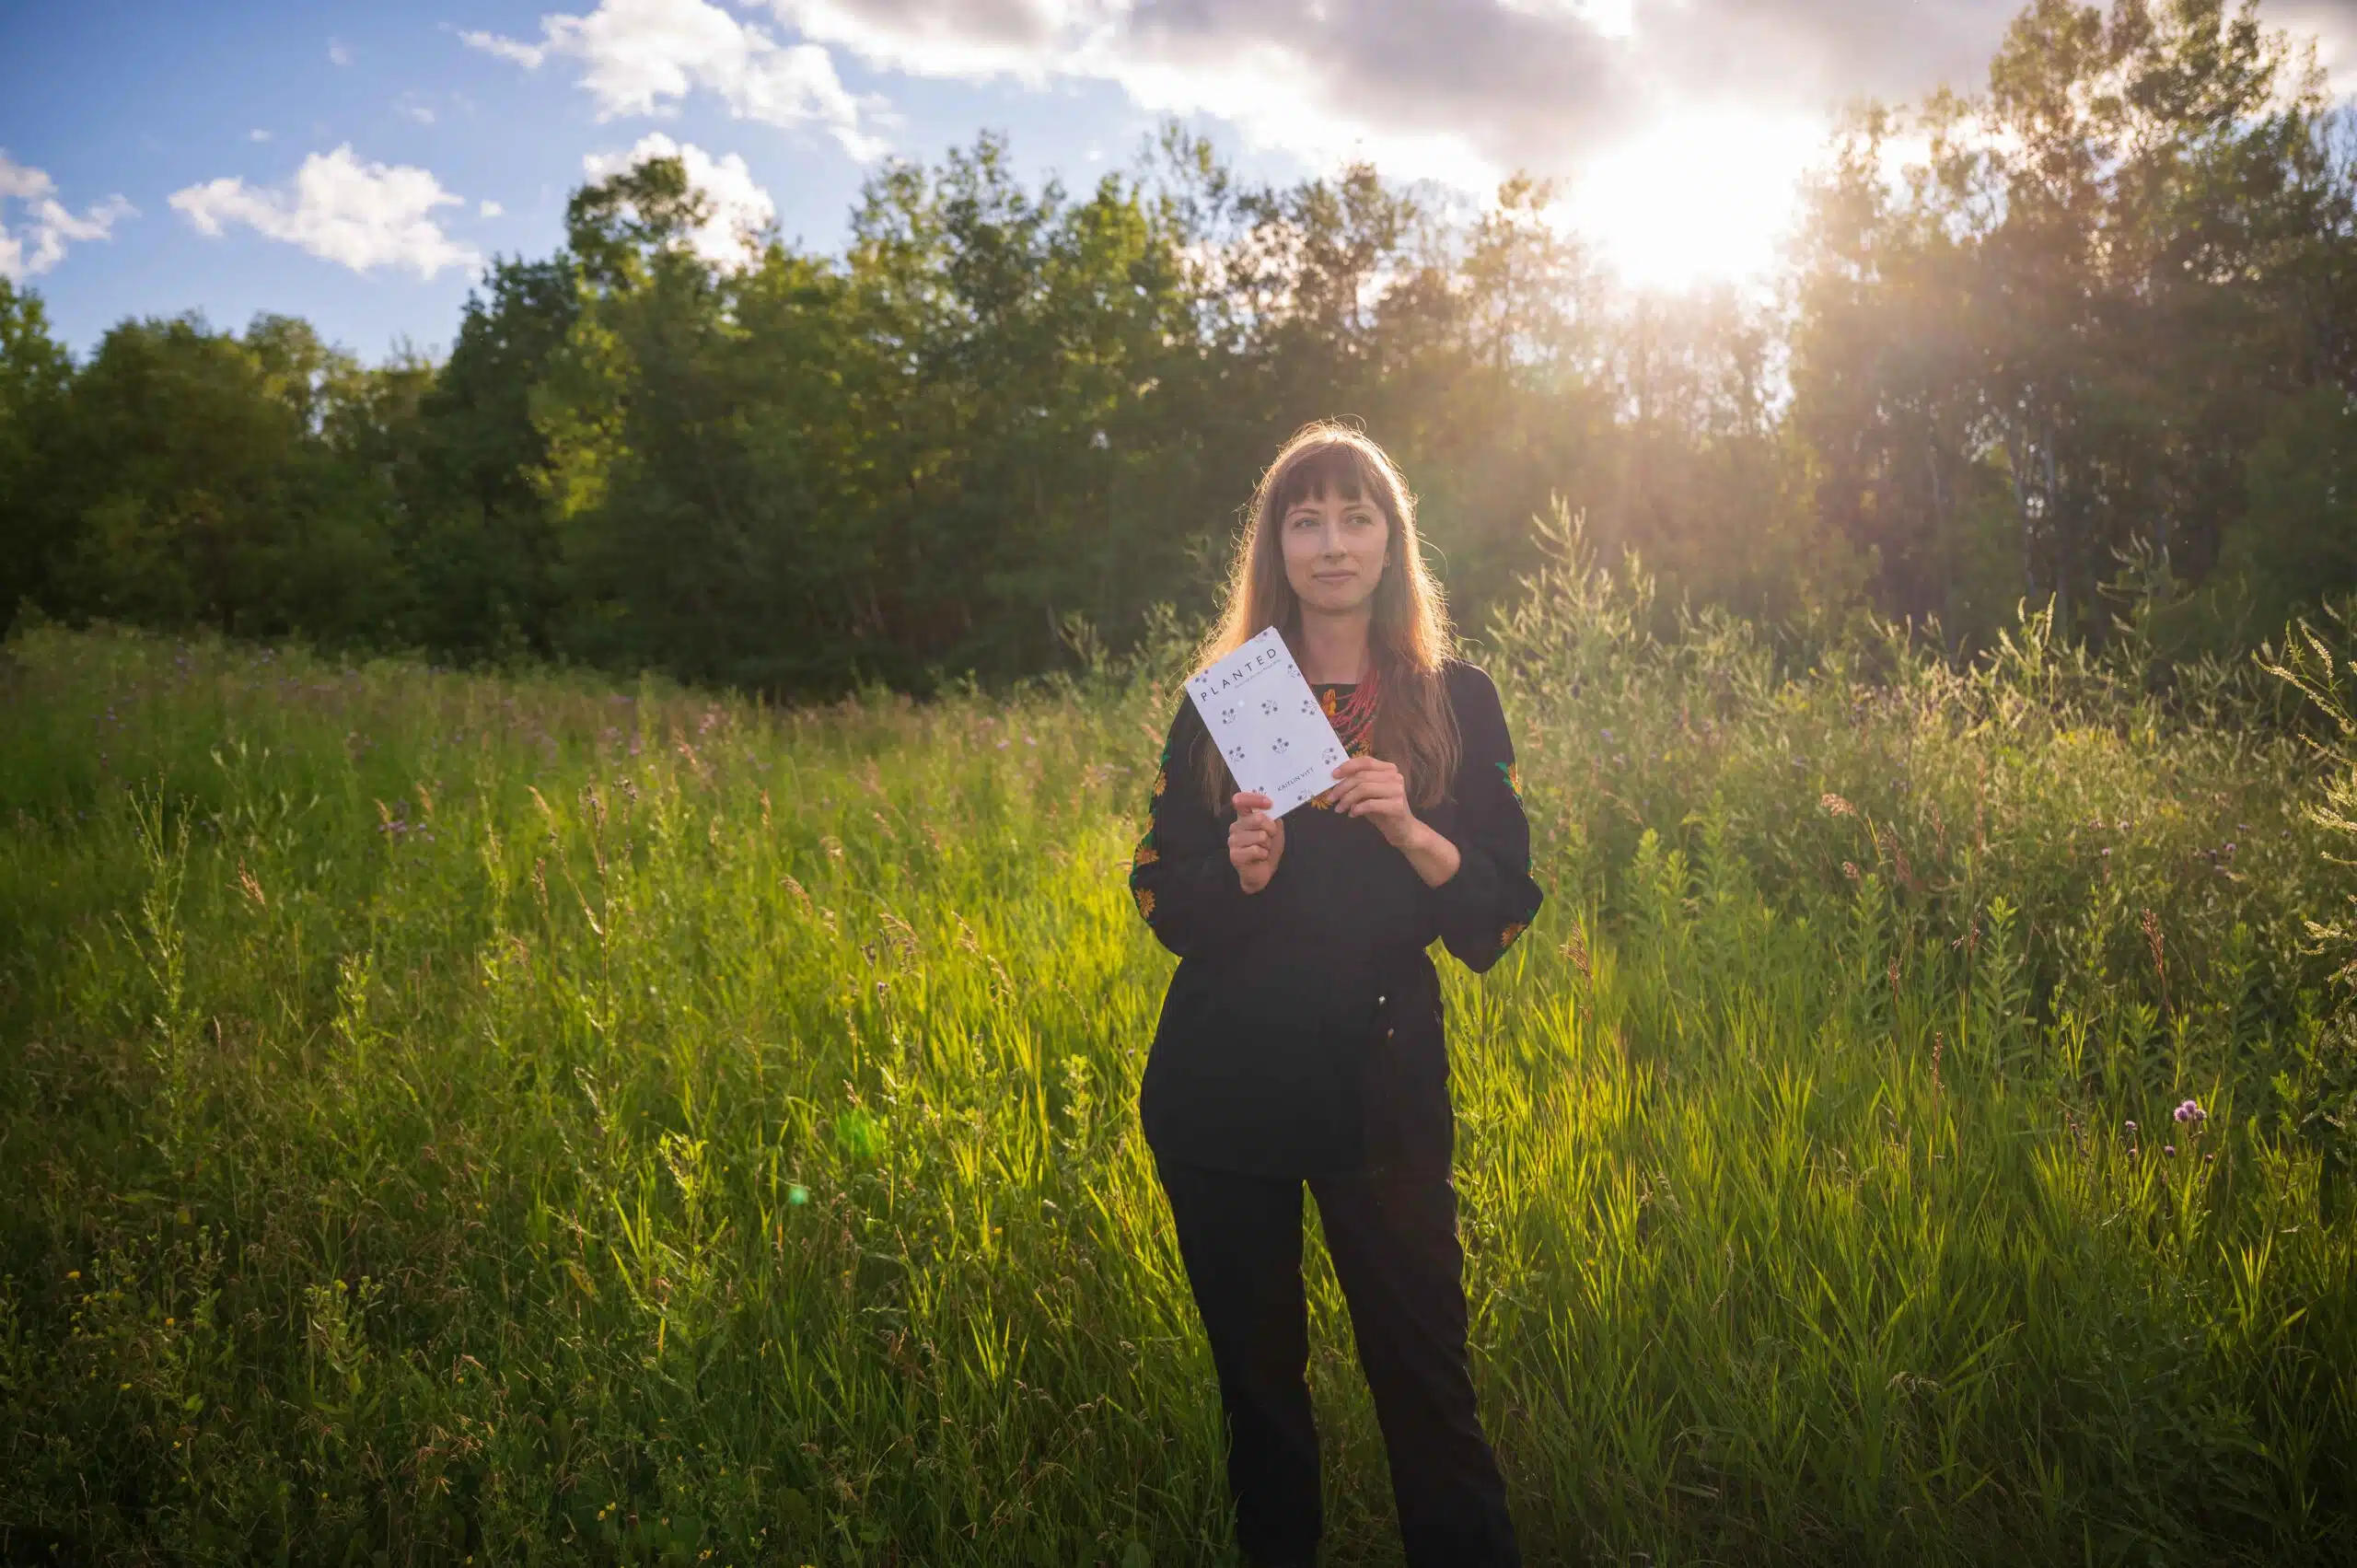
(2169, 1149)
(2191, 1112)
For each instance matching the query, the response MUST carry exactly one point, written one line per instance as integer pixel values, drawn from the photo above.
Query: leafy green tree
(919, 461)
(2085, 301)
(645, 474)
(475, 535)
(195, 481)
(2297, 544)
(34, 373)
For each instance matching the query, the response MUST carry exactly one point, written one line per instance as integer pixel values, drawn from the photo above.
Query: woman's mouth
(1342, 577)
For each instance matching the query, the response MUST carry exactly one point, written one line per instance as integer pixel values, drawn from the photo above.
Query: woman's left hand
(1377, 790)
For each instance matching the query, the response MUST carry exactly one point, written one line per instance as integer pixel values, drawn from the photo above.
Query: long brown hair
(1408, 637)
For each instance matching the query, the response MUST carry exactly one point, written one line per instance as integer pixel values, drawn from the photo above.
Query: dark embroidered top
(1302, 1033)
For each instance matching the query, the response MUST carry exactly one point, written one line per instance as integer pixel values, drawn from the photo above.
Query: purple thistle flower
(2191, 1112)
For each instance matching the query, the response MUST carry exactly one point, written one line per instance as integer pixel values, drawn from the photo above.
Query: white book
(1267, 723)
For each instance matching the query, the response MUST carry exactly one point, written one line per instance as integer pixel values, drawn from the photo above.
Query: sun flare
(1698, 195)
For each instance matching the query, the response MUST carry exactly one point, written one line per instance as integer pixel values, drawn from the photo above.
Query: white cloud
(740, 207)
(361, 215)
(1030, 40)
(490, 210)
(412, 107)
(642, 57)
(36, 242)
(1603, 93)
(257, 134)
(1462, 90)
(1451, 90)
(2334, 25)
(338, 54)
(525, 54)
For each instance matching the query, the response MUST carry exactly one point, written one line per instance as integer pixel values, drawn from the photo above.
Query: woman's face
(1335, 551)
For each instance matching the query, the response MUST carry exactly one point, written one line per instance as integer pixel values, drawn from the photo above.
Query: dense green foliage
(2110, 309)
(2106, 307)
(445, 1115)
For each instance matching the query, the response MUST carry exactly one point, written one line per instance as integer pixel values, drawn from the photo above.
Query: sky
(358, 165)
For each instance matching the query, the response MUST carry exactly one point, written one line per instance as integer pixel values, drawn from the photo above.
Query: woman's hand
(1377, 790)
(1374, 789)
(1256, 841)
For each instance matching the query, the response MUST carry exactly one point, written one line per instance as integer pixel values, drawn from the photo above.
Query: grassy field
(449, 1118)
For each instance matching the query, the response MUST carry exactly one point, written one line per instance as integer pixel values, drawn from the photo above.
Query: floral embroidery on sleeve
(1180, 878)
(1512, 772)
(1146, 855)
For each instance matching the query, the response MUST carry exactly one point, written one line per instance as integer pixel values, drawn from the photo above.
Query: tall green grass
(447, 1117)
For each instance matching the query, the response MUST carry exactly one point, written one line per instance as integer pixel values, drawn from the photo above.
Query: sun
(1698, 195)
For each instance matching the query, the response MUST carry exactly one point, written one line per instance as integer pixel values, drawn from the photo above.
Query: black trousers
(1393, 1238)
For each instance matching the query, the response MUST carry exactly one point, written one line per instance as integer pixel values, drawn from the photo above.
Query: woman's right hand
(1256, 841)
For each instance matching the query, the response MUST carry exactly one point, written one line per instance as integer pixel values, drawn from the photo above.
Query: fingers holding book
(1256, 841)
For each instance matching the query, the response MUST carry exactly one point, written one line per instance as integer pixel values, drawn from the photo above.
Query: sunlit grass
(521, 1119)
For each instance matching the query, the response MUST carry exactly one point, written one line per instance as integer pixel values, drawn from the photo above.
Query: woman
(1301, 1038)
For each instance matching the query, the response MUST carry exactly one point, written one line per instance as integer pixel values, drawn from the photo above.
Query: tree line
(2090, 328)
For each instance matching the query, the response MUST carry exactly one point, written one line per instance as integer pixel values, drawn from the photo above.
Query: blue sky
(355, 164)
(145, 101)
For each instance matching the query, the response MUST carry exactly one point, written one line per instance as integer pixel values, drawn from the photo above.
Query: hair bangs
(1331, 468)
